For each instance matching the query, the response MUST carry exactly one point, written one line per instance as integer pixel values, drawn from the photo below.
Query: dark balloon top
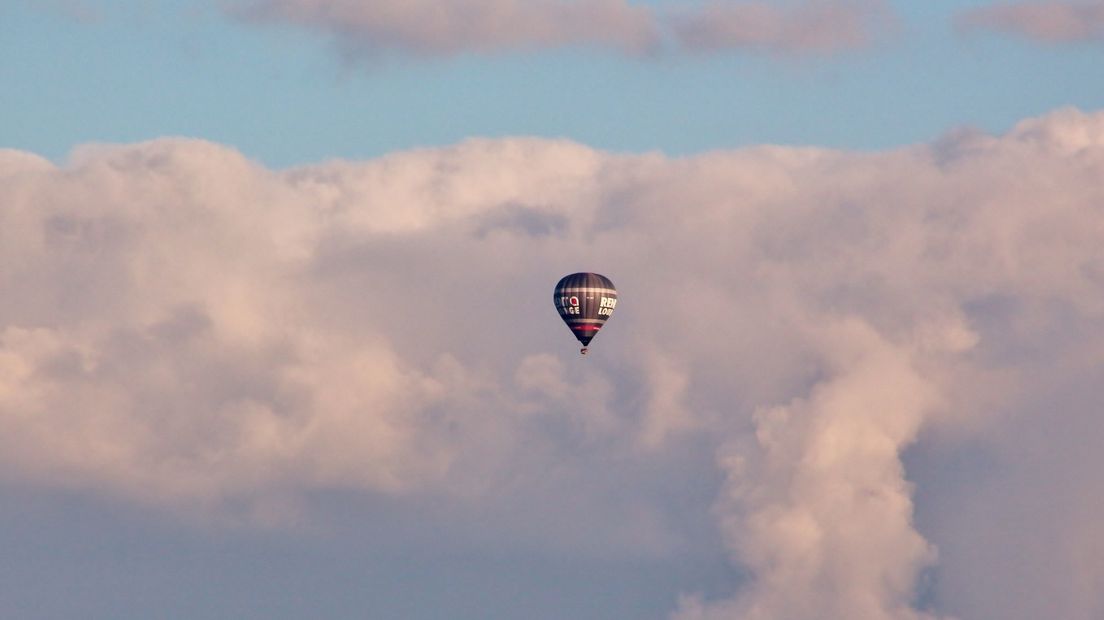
(584, 301)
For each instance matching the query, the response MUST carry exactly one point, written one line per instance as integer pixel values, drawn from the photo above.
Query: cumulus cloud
(1048, 22)
(429, 27)
(859, 357)
(822, 507)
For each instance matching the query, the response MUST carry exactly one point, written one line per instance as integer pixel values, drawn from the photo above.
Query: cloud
(431, 28)
(441, 28)
(822, 508)
(813, 27)
(1047, 22)
(862, 373)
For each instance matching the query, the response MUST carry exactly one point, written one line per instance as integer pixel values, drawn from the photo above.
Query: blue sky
(123, 71)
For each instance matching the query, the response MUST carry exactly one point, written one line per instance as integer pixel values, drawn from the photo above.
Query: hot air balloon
(584, 301)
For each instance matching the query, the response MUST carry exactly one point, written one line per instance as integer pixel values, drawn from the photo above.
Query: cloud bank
(433, 28)
(863, 372)
(1047, 22)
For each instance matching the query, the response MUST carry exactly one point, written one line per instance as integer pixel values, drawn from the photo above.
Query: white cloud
(817, 504)
(182, 327)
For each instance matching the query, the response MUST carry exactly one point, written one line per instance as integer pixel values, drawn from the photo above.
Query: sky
(276, 338)
(290, 83)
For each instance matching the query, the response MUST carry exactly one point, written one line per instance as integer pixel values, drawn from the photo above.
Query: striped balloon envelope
(584, 301)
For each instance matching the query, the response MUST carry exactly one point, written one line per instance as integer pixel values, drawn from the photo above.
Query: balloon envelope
(584, 301)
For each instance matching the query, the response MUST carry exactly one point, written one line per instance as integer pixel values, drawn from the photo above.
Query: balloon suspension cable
(583, 351)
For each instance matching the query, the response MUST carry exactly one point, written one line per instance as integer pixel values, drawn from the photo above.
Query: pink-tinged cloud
(433, 27)
(858, 372)
(1048, 22)
(811, 27)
